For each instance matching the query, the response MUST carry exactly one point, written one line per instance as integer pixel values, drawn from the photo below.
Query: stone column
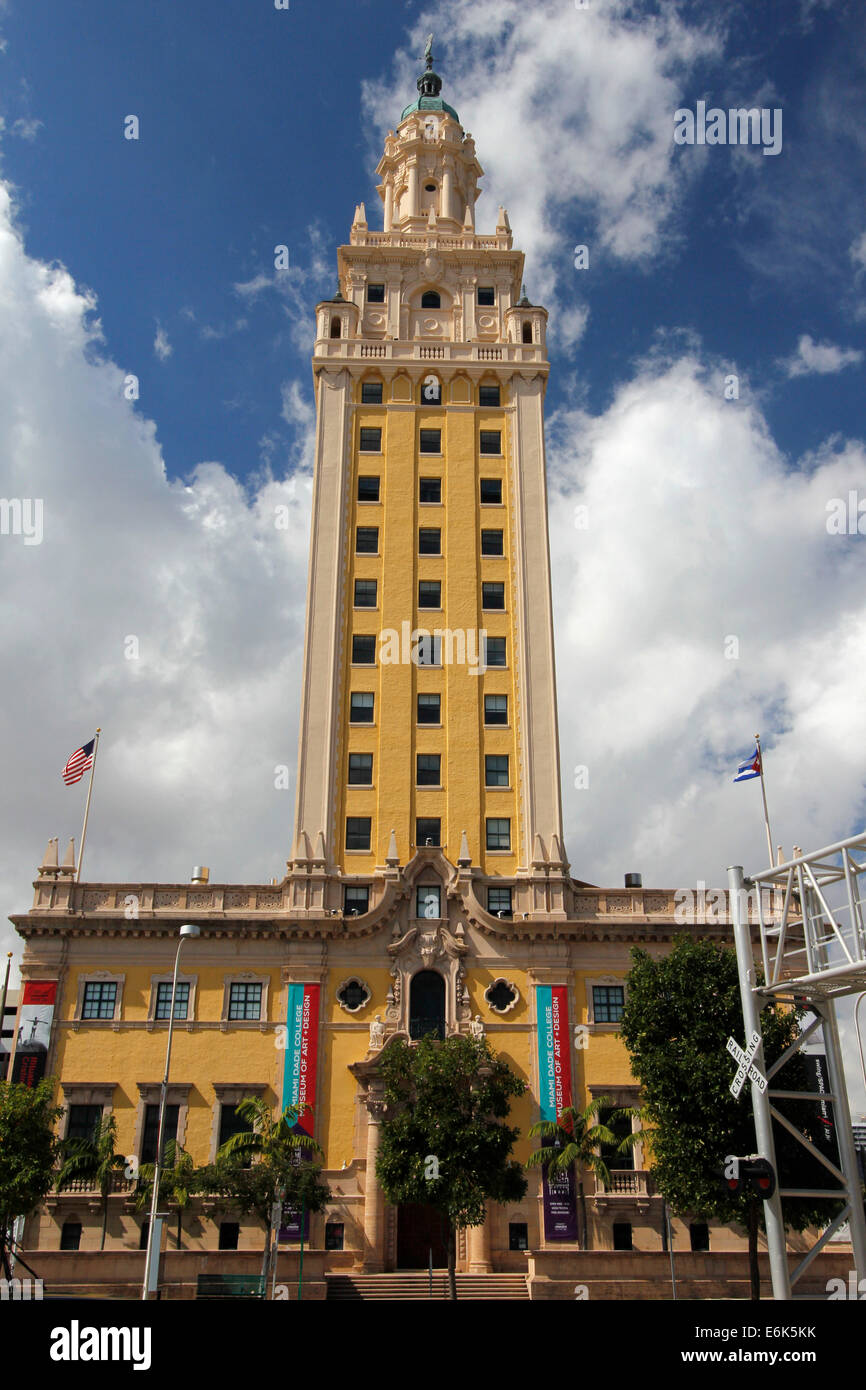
(374, 1226)
(480, 1261)
(446, 206)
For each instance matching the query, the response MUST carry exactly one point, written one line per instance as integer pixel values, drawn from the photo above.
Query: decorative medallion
(353, 994)
(502, 996)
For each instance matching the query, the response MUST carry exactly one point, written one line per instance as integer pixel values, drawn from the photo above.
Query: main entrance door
(420, 1229)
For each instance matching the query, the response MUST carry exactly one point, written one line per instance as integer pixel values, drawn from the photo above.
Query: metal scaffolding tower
(813, 954)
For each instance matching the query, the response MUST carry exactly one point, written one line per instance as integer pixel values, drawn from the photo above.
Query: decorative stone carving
(377, 1033)
(502, 995)
(163, 899)
(476, 1027)
(353, 995)
(237, 897)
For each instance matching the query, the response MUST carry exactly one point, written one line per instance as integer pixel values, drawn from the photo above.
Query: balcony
(635, 1184)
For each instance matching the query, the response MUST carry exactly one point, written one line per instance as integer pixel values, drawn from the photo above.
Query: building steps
(412, 1285)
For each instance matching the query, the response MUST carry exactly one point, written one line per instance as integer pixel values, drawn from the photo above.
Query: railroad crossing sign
(745, 1065)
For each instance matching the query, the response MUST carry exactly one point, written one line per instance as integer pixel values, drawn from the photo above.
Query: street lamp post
(187, 930)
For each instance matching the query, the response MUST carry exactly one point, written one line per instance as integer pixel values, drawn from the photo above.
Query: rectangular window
(163, 1000)
(375, 294)
(608, 1002)
(429, 651)
(699, 1235)
(245, 1001)
(427, 830)
(496, 770)
(495, 709)
(364, 651)
(430, 442)
(429, 593)
(371, 440)
(620, 1126)
(491, 442)
(498, 832)
(356, 899)
(622, 1235)
(493, 595)
(83, 1121)
(230, 1125)
(429, 709)
(366, 540)
(361, 707)
(430, 490)
(357, 832)
(499, 901)
(228, 1237)
(99, 999)
(494, 651)
(365, 593)
(428, 900)
(486, 295)
(368, 488)
(491, 543)
(429, 541)
(427, 773)
(489, 396)
(333, 1235)
(70, 1236)
(360, 769)
(518, 1235)
(371, 393)
(491, 490)
(151, 1131)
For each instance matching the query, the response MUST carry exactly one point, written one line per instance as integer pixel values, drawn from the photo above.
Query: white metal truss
(813, 953)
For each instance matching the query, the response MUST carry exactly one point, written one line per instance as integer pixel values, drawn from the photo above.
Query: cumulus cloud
(572, 113)
(821, 358)
(201, 707)
(700, 598)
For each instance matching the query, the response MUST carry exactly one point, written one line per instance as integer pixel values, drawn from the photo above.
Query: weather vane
(428, 51)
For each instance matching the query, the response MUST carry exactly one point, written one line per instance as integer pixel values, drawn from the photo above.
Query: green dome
(430, 104)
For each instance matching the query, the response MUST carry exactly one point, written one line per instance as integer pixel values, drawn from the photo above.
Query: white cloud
(821, 358)
(858, 251)
(572, 113)
(197, 571)
(699, 532)
(161, 346)
(26, 128)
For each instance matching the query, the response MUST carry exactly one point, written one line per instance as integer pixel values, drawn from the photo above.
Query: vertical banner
(554, 1076)
(34, 1031)
(299, 1083)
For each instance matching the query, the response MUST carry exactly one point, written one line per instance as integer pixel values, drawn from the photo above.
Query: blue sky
(705, 600)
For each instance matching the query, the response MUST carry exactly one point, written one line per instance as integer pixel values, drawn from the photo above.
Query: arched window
(430, 300)
(427, 1004)
(335, 328)
(527, 332)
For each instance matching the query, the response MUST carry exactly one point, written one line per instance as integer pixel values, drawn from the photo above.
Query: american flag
(80, 762)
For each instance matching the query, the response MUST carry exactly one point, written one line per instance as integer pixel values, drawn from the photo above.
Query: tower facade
(429, 701)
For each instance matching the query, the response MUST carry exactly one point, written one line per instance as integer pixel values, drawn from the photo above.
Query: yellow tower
(429, 702)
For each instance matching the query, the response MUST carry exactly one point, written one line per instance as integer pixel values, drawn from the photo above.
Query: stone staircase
(412, 1285)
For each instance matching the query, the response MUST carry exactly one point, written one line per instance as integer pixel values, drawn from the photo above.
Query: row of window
(428, 770)
(430, 490)
(366, 594)
(429, 441)
(372, 393)
(429, 652)
(429, 707)
(485, 296)
(100, 1000)
(428, 831)
(429, 541)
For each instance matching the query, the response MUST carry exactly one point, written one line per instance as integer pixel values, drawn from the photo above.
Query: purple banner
(560, 1207)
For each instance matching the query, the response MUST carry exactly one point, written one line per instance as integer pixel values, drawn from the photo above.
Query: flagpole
(764, 798)
(87, 806)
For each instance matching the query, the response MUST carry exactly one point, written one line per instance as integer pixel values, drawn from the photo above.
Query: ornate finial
(429, 83)
(428, 52)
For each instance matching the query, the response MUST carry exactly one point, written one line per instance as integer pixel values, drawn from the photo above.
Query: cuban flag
(750, 768)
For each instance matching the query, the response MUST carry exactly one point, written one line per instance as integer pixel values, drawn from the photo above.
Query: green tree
(679, 1014)
(278, 1147)
(442, 1141)
(178, 1179)
(28, 1153)
(94, 1159)
(577, 1139)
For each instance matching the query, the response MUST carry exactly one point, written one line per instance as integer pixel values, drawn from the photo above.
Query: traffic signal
(750, 1174)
